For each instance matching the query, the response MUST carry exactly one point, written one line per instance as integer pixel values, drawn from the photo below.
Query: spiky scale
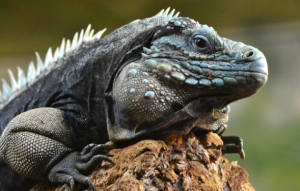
(33, 71)
(21, 78)
(40, 64)
(99, 34)
(62, 48)
(160, 13)
(56, 54)
(91, 34)
(170, 15)
(176, 15)
(165, 14)
(74, 42)
(87, 32)
(80, 37)
(48, 58)
(68, 46)
(13, 81)
(31, 74)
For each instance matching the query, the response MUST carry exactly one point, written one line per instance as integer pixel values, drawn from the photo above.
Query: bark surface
(178, 163)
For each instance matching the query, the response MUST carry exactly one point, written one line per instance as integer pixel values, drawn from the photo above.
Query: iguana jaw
(211, 79)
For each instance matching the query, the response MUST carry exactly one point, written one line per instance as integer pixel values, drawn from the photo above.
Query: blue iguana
(159, 75)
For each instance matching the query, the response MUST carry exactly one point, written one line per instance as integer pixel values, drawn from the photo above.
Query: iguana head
(185, 75)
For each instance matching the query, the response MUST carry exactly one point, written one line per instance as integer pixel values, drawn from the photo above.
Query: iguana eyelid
(206, 49)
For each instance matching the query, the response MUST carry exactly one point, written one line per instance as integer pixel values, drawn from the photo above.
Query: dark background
(269, 121)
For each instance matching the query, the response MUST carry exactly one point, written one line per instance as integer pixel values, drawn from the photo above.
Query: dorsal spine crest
(34, 72)
(9, 91)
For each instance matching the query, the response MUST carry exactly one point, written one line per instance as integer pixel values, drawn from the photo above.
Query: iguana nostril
(248, 54)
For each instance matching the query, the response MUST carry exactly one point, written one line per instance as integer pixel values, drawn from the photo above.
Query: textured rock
(176, 164)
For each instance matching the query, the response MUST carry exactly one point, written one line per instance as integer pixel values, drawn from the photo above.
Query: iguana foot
(233, 144)
(76, 166)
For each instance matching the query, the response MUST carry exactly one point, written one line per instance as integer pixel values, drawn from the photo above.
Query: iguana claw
(222, 128)
(233, 144)
(76, 166)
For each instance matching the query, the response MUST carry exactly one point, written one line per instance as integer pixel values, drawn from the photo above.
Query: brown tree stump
(179, 163)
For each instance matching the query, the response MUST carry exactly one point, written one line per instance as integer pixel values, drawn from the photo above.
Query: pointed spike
(74, 42)
(62, 48)
(91, 34)
(165, 14)
(6, 90)
(170, 15)
(48, 58)
(99, 34)
(87, 32)
(160, 13)
(13, 81)
(80, 37)
(40, 64)
(147, 50)
(176, 15)
(21, 78)
(31, 73)
(68, 46)
(56, 54)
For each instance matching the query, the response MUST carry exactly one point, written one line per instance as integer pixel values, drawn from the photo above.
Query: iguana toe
(233, 144)
(96, 149)
(76, 166)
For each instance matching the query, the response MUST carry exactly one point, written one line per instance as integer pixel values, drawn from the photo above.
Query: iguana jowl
(164, 74)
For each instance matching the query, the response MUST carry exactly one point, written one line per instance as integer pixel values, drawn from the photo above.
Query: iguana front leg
(41, 143)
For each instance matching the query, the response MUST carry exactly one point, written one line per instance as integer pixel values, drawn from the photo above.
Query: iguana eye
(225, 110)
(200, 43)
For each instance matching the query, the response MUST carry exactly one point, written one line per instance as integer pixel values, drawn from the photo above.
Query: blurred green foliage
(49, 21)
(269, 122)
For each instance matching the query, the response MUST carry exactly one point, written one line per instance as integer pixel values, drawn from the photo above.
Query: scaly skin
(153, 76)
(176, 77)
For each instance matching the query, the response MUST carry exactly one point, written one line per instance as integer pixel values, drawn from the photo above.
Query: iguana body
(153, 76)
